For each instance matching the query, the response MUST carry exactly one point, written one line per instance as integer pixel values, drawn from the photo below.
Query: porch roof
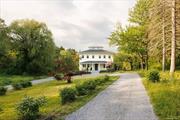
(96, 62)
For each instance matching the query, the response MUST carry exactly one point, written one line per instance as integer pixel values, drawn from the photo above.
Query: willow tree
(34, 45)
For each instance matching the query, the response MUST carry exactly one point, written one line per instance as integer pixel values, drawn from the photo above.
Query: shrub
(3, 91)
(86, 87)
(7, 82)
(153, 76)
(106, 77)
(28, 108)
(68, 95)
(26, 84)
(17, 86)
(59, 76)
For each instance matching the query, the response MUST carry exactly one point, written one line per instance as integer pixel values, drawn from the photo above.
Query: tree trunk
(173, 41)
(164, 46)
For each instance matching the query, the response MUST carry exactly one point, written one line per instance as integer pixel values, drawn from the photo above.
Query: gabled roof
(100, 51)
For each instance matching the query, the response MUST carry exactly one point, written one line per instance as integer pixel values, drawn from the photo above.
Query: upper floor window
(109, 57)
(87, 56)
(93, 56)
(104, 56)
(99, 57)
(82, 56)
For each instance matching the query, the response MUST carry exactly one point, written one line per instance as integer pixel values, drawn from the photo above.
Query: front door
(96, 67)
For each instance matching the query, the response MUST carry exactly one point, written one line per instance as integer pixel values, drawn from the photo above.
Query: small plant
(86, 87)
(17, 86)
(3, 91)
(28, 108)
(153, 76)
(68, 95)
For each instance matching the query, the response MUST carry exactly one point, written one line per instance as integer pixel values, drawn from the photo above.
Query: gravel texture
(125, 99)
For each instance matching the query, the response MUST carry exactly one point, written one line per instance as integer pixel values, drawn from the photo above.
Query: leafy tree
(34, 45)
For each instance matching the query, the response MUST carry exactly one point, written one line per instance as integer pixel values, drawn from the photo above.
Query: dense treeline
(152, 39)
(27, 47)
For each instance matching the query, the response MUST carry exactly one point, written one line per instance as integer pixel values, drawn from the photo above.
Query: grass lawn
(165, 97)
(9, 79)
(51, 91)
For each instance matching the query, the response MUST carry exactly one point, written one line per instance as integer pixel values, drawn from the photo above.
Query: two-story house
(95, 59)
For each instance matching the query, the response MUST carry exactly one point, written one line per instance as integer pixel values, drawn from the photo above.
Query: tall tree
(34, 45)
(173, 42)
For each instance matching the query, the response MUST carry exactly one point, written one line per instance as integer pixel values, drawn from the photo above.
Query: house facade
(95, 59)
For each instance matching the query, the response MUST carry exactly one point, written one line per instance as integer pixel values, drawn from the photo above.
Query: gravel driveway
(126, 99)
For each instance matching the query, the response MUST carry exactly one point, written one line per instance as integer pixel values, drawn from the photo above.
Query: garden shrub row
(3, 90)
(24, 84)
(69, 94)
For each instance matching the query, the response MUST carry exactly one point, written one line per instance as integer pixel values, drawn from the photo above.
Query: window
(84, 65)
(104, 65)
(93, 56)
(109, 57)
(87, 56)
(104, 56)
(99, 57)
(82, 56)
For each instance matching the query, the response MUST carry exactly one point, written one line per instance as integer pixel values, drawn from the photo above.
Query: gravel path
(126, 99)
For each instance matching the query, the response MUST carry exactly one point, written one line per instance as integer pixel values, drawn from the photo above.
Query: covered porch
(93, 65)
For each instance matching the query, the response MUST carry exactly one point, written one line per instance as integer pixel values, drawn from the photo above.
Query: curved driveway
(125, 99)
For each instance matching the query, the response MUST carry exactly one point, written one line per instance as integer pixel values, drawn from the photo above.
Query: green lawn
(9, 79)
(165, 97)
(51, 91)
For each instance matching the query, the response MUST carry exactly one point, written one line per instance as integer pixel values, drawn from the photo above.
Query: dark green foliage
(17, 86)
(153, 76)
(68, 95)
(26, 84)
(86, 87)
(34, 45)
(28, 108)
(59, 76)
(20, 85)
(3, 91)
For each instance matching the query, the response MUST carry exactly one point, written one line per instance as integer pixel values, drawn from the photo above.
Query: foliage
(68, 95)
(3, 90)
(85, 87)
(51, 91)
(59, 76)
(153, 76)
(32, 42)
(20, 85)
(165, 96)
(66, 61)
(28, 108)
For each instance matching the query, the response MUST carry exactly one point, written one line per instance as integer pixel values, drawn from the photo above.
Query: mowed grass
(51, 91)
(10, 79)
(165, 96)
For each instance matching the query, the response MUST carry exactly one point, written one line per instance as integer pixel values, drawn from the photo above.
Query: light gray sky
(74, 23)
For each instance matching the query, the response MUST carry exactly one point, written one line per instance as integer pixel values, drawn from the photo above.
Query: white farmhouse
(95, 59)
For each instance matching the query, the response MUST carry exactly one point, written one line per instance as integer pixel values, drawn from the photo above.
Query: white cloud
(74, 23)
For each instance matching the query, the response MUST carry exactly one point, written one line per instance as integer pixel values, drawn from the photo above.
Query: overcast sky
(74, 23)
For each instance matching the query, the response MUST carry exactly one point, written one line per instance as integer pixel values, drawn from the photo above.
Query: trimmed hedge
(3, 91)
(68, 95)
